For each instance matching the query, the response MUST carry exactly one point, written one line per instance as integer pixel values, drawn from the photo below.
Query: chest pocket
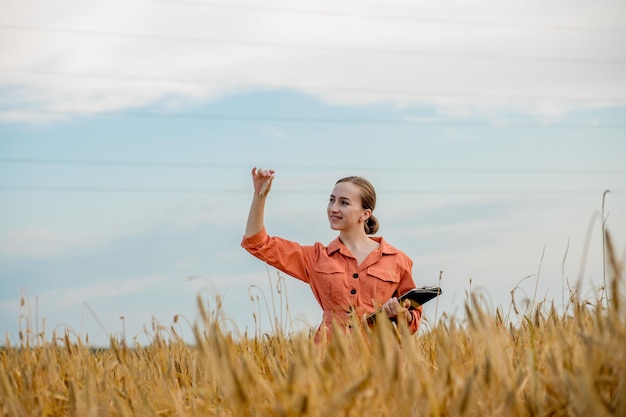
(330, 281)
(385, 283)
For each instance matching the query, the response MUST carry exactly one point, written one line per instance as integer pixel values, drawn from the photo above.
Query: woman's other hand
(393, 309)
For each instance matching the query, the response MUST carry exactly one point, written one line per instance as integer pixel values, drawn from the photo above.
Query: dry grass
(541, 363)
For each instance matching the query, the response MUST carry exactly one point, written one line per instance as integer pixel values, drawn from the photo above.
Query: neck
(354, 239)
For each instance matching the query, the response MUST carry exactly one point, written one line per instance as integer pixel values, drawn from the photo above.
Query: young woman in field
(355, 273)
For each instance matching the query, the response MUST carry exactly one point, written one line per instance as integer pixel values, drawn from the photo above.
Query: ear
(367, 213)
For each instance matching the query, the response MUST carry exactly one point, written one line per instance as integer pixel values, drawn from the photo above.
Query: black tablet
(417, 297)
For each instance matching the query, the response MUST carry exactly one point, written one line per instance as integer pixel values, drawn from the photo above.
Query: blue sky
(126, 146)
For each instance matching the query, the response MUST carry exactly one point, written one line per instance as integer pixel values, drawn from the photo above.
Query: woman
(355, 273)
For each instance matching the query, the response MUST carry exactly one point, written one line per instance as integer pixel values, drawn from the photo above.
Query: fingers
(258, 172)
(262, 179)
(392, 307)
(266, 187)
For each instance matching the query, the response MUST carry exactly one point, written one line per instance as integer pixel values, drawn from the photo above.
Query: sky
(491, 130)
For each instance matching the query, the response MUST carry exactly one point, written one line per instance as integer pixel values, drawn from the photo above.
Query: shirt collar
(337, 245)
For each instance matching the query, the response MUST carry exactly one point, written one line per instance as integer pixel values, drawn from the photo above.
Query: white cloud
(454, 55)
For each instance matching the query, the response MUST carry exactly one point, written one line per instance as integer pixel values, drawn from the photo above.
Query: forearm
(262, 181)
(256, 217)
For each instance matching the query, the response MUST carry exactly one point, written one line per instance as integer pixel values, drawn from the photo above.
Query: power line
(322, 88)
(406, 120)
(177, 190)
(211, 165)
(334, 48)
(132, 190)
(381, 16)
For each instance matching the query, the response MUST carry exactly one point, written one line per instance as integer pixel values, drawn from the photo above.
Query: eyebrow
(341, 198)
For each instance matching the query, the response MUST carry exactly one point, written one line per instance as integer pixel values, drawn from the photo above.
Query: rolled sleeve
(417, 317)
(255, 241)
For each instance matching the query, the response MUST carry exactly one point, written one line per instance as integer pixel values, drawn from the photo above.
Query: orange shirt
(338, 283)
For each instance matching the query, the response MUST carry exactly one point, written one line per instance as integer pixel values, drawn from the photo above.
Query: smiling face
(345, 210)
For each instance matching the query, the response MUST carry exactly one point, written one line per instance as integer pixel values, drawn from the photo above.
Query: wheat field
(535, 362)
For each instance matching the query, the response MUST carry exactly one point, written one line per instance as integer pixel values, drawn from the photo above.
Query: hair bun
(371, 225)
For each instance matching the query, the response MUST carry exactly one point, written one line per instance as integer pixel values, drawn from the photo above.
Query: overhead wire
(222, 166)
(313, 47)
(380, 16)
(318, 88)
(401, 121)
(180, 190)
(300, 167)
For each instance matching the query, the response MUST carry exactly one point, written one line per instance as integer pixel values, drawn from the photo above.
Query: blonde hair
(368, 200)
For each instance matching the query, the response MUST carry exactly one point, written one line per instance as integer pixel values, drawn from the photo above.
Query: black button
(355, 275)
(353, 292)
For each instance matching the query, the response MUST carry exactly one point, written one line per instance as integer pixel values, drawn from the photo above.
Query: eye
(345, 203)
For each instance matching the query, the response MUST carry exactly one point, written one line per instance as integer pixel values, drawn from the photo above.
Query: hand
(262, 180)
(393, 309)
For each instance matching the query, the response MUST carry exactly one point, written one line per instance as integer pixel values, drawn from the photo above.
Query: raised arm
(262, 180)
